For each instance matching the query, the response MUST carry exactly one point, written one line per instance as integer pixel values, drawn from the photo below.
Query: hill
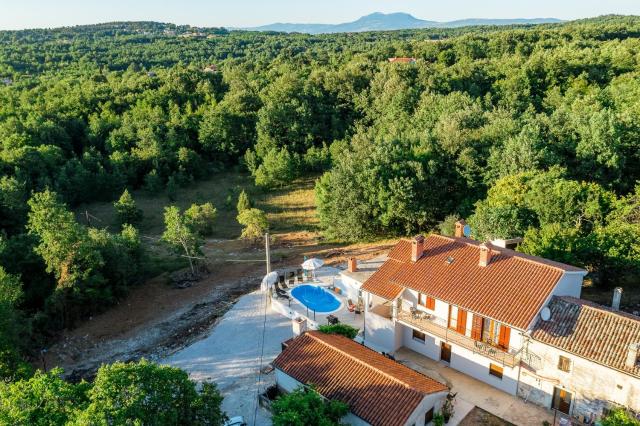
(392, 21)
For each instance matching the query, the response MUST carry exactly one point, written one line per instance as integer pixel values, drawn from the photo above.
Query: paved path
(472, 392)
(230, 356)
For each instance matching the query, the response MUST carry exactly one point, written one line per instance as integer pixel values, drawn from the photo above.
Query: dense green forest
(524, 131)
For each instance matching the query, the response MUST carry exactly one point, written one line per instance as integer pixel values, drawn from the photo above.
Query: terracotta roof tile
(377, 389)
(590, 331)
(511, 289)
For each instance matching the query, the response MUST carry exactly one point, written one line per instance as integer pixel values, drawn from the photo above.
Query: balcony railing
(438, 327)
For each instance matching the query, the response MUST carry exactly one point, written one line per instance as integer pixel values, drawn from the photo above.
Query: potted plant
(448, 408)
(438, 419)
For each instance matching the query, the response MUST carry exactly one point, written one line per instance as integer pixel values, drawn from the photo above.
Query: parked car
(236, 421)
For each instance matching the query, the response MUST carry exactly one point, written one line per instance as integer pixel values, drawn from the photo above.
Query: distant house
(151, 74)
(402, 60)
(211, 68)
(7, 81)
(378, 390)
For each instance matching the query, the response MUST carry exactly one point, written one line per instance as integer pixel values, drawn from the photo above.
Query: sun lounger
(350, 305)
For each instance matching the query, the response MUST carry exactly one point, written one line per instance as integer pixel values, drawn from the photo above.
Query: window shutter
(476, 329)
(505, 334)
(431, 303)
(462, 321)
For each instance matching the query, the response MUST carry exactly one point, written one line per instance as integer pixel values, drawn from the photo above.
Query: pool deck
(325, 277)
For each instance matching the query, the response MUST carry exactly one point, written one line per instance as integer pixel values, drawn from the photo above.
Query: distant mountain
(388, 22)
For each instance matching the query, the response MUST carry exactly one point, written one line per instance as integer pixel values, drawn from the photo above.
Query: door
(445, 352)
(561, 400)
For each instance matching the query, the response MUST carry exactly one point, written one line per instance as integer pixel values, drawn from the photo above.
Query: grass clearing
(288, 210)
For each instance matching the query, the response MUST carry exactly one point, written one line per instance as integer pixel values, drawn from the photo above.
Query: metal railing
(438, 327)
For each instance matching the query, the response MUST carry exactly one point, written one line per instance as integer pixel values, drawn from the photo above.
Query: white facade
(349, 286)
(433, 401)
(593, 387)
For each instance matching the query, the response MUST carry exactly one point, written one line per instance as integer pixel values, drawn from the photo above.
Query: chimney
(632, 355)
(417, 248)
(617, 297)
(485, 254)
(460, 228)
(352, 264)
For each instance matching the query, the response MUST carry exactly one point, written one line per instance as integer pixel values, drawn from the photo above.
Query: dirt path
(157, 319)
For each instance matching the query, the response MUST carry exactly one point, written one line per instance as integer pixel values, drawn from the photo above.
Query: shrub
(244, 202)
(307, 407)
(343, 329)
(201, 218)
(278, 168)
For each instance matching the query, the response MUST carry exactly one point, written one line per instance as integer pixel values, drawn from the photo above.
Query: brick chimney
(485, 254)
(633, 355)
(617, 298)
(352, 264)
(460, 228)
(417, 248)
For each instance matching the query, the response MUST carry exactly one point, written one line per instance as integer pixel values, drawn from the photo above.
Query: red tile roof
(377, 389)
(590, 331)
(511, 289)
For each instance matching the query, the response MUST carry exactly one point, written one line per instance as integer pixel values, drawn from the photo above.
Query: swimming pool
(316, 298)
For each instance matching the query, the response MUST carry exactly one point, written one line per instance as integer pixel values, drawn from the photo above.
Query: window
(564, 364)
(426, 301)
(421, 337)
(458, 319)
(428, 417)
(495, 333)
(496, 370)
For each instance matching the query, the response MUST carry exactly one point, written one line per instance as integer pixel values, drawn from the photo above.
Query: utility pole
(268, 251)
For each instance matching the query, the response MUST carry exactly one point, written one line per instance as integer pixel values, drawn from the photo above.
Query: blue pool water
(316, 298)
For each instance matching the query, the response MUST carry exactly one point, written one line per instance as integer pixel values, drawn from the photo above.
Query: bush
(619, 417)
(305, 407)
(342, 329)
(317, 159)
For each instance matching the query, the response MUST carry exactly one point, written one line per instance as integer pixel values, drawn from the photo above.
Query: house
(503, 317)
(402, 60)
(378, 390)
(466, 303)
(211, 68)
(588, 359)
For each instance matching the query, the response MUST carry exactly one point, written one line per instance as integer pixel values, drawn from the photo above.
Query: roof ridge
(315, 335)
(538, 260)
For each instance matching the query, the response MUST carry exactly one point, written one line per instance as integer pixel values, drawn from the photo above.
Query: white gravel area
(230, 355)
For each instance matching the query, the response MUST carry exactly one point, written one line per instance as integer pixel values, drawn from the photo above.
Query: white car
(236, 421)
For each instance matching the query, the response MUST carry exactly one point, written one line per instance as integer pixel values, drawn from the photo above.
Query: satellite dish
(545, 314)
(466, 231)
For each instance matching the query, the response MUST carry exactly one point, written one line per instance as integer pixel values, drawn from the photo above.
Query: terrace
(327, 278)
(438, 327)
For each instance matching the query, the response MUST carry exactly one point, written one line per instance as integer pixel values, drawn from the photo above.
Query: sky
(19, 14)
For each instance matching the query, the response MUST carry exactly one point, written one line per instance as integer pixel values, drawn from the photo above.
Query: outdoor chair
(414, 312)
(350, 306)
(299, 276)
(281, 279)
(292, 276)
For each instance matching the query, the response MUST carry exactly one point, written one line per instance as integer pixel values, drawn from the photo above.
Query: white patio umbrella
(269, 280)
(312, 264)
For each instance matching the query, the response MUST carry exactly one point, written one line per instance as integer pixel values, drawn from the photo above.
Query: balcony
(438, 327)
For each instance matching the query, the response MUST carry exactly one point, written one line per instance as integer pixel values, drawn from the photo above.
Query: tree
(255, 224)
(147, 393)
(244, 202)
(126, 210)
(63, 243)
(12, 327)
(342, 329)
(201, 217)
(448, 225)
(44, 399)
(305, 407)
(179, 235)
(278, 168)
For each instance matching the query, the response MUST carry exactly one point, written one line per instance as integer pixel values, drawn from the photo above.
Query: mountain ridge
(388, 22)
